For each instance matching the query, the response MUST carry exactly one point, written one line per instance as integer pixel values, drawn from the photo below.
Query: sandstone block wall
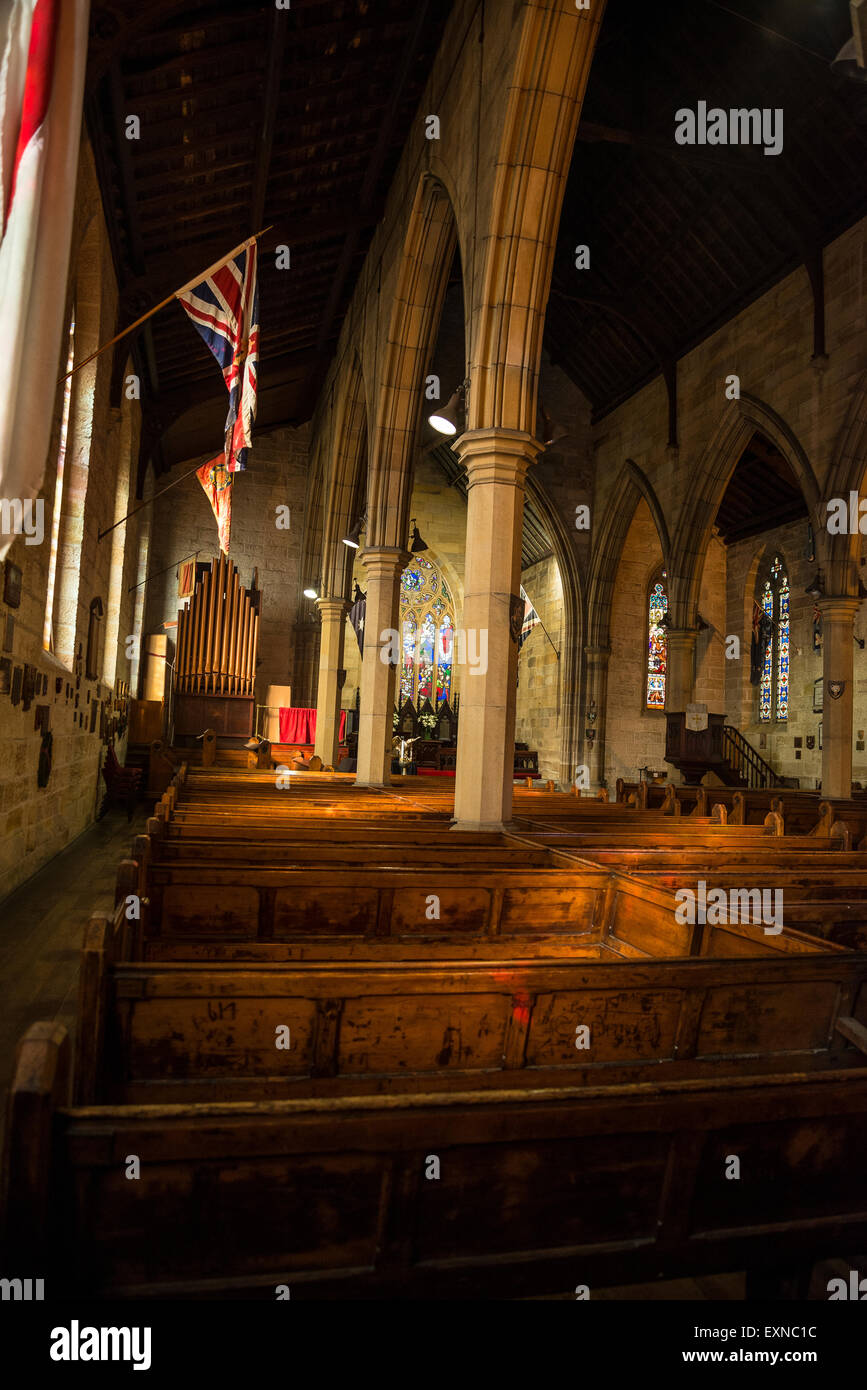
(184, 523)
(37, 822)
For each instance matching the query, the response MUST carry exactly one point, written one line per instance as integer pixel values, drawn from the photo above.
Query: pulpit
(694, 751)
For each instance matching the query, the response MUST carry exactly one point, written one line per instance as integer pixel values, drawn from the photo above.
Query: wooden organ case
(215, 665)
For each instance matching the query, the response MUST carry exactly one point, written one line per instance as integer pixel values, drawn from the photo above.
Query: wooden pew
(538, 1188)
(146, 1030)
(268, 904)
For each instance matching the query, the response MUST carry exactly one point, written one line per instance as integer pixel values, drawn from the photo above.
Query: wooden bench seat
(538, 1189)
(146, 1029)
(639, 920)
(266, 903)
(342, 853)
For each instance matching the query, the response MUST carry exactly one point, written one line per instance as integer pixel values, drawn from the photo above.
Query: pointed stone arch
(632, 485)
(574, 626)
(429, 246)
(549, 79)
(345, 464)
(847, 474)
(736, 427)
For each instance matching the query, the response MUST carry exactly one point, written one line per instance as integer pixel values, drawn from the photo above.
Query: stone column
(596, 686)
(384, 566)
(332, 615)
(838, 645)
(496, 461)
(307, 634)
(680, 667)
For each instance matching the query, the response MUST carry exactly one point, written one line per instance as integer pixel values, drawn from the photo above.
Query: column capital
(385, 561)
(682, 635)
(332, 609)
(497, 455)
(839, 607)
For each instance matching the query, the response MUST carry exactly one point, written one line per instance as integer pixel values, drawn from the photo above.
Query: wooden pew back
(233, 1200)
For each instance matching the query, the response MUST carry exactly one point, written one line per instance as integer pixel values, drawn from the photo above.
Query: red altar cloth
(299, 725)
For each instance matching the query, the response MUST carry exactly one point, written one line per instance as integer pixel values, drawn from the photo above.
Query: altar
(298, 725)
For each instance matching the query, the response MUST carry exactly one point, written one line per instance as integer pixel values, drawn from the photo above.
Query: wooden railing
(742, 757)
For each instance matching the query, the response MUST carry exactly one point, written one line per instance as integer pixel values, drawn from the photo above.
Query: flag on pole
(217, 482)
(43, 51)
(187, 574)
(224, 306)
(357, 615)
(531, 618)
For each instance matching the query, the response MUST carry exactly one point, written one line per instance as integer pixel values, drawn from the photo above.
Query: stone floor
(41, 926)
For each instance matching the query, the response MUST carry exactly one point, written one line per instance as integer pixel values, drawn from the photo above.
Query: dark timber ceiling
(762, 493)
(249, 115)
(682, 237)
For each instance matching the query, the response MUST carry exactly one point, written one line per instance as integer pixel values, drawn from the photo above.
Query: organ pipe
(218, 634)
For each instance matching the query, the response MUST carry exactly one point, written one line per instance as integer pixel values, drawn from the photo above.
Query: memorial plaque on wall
(28, 686)
(17, 676)
(5, 675)
(12, 585)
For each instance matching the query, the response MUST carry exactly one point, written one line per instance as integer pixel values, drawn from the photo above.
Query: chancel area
(433, 687)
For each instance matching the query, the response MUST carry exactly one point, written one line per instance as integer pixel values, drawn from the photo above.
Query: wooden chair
(121, 784)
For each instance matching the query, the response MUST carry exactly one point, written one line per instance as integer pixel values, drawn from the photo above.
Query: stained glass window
(426, 658)
(445, 642)
(766, 684)
(774, 683)
(783, 652)
(656, 646)
(427, 628)
(407, 665)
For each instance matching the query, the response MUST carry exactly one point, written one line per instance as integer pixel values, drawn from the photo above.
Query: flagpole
(153, 499)
(548, 635)
(163, 302)
(157, 573)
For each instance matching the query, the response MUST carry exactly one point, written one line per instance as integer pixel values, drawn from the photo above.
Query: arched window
(774, 683)
(427, 634)
(657, 653)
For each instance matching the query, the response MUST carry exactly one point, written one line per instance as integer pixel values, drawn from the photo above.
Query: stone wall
(747, 562)
(769, 346)
(183, 522)
(634, 735)
(102, 444)
(537, 720)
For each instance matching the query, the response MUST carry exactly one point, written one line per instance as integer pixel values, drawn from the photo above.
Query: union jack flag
(531, 618)
(224, 306)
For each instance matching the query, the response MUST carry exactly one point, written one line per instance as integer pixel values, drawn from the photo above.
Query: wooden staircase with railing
(743, 766)
(719, 748)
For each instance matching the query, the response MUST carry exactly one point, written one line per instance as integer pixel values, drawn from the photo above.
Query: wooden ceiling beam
(232, 122)
(188, 61)
(151, 105)
(368, 189)
(170, 268)
(116, 28)
(281, 153)
(303, 173)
